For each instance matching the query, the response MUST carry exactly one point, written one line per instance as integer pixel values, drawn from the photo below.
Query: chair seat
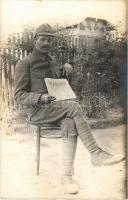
(51, 134)
(50, 126)
(47, 126)
(49, 130)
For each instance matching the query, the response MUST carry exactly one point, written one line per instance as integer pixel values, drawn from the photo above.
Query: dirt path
(18, 178)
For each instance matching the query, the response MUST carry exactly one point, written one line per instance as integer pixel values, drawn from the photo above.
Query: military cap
(44, 29)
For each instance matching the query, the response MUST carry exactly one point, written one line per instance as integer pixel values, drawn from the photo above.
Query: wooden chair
(41, 133)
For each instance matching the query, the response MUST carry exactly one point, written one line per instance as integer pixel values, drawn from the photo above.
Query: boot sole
(109, 164)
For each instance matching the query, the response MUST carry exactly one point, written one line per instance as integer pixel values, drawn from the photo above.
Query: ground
(18, 168)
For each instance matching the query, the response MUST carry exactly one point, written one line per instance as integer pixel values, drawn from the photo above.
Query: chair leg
(38, 151)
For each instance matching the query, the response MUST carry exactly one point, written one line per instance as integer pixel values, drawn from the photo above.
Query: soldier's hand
(45, 98)
(67, 69)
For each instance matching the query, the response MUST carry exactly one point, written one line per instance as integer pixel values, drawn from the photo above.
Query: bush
(96, 72)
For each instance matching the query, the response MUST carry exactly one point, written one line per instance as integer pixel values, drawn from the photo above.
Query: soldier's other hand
(51, 98)
(47, 98)
(67, 69)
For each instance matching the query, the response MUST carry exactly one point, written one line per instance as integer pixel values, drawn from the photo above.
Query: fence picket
(10, 54)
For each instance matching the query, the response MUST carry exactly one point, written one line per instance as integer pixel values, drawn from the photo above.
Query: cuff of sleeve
(35, 98)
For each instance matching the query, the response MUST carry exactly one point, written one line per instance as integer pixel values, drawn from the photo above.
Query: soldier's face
(43, 43)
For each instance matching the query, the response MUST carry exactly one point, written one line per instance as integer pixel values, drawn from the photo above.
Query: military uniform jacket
(29, 76)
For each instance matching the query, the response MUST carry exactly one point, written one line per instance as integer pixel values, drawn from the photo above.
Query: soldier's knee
(74, 108)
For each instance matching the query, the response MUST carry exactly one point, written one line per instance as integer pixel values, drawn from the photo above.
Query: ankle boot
(103, 158)
(69, 185)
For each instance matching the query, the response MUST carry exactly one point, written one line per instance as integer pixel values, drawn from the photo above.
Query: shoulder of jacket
(23, 64)
(26, 61)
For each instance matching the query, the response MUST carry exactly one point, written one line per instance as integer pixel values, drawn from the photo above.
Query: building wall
(85, 33)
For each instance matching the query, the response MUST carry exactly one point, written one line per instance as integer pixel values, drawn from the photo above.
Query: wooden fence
(92, 88)
(85, 82)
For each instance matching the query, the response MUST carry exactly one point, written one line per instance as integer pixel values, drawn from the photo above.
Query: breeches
(62, 113)
(71, 118)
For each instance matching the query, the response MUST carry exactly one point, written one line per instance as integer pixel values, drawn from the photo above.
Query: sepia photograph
(63, 85)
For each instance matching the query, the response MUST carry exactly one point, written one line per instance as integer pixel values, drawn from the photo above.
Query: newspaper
(59, 88)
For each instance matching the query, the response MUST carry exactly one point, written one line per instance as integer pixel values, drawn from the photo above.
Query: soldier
(30, 90)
